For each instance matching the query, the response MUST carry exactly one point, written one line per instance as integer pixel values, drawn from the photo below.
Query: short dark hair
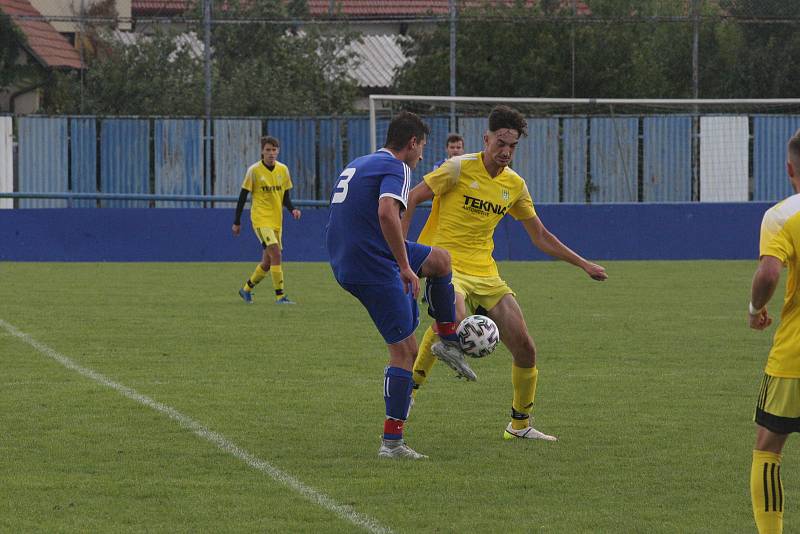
(403, 127)
(454, 138)
(269, 140)
(794, 146)
(506, 117)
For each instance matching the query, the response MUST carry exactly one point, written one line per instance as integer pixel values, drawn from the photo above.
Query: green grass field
(649, 381)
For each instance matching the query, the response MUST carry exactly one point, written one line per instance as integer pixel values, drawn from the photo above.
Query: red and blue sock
(441, 297)
(397, 386)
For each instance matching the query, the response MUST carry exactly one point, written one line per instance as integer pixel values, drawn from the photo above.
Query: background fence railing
(138, 162)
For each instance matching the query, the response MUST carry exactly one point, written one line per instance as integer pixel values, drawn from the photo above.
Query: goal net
(613, 150)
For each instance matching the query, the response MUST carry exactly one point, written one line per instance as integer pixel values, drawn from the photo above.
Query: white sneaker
(526, 433)
(451, 355)
(400, 450)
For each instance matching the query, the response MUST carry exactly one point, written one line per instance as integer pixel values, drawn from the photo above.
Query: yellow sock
(524, 380)
(425, 360)
(277, 280)
(766, 492)
(255, 278)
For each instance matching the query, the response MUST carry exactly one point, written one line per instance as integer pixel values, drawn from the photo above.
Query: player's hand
(410, 281)
(235, 229)
(760, 321)
(296, 213)
(597, 272)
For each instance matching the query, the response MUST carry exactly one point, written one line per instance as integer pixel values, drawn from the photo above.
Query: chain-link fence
(275, 57)
(231, 71)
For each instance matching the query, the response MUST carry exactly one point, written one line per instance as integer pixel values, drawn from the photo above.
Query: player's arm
(420, 193)
(776, 248)
(550, 245)
(391, 227)
(287, 202)
(287, 199)
(237, 220)
(765, 280)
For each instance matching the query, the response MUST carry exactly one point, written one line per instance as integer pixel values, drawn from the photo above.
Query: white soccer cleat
(399, 450)
(526, 433)
(451, 355)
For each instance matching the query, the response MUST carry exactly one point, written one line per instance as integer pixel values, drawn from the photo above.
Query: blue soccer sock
(397, 386)
(442, 305)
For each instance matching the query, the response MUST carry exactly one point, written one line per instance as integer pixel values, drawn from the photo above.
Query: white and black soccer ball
(478, 336)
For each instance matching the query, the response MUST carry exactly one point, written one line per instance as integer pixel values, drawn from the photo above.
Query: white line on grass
(345, 512)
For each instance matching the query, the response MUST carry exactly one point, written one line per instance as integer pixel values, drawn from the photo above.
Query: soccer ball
(478, 336)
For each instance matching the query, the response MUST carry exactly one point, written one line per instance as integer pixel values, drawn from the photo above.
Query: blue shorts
(394, 312)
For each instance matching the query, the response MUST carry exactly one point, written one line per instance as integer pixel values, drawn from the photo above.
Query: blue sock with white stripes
(397, 386)
(441, 298)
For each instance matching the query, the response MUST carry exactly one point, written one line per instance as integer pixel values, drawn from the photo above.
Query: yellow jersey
(467, 207)
(780, 237)
(267, 187)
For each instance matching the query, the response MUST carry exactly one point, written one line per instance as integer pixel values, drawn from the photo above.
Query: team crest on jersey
(505, 194)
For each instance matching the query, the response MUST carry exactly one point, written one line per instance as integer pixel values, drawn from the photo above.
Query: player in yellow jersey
(269, 181)
(778, 407)
(473, 193)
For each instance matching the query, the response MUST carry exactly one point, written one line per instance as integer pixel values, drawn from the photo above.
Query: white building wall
(71, 8)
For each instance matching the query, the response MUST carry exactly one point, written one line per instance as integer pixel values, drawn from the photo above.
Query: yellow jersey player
(269, 181)
(473, 193)
(778, 407)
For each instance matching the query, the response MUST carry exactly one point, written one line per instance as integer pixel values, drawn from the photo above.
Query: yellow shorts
(269, 236)
(481, 293)
(778, 406)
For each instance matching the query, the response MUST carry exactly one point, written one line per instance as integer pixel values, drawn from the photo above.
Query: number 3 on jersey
(344, 180)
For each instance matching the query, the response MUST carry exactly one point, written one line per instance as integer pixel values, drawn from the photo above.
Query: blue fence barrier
(42, 166)
(566, 159)
(678, 231)
(667, 173)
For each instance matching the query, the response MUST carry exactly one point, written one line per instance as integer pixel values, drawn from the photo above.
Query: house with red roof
(45, 48)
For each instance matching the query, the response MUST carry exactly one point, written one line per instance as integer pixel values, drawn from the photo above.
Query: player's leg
(425, 357)
(766, 486)
(259, 273)
(398, 328)
(424, 360)
(777, 414)
(276, 270)
(396, 317)
(441, 299)
(439, 292)
(524, 374)
(397, 387)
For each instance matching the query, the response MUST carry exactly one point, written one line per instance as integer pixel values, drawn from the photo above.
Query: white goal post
(623, 150)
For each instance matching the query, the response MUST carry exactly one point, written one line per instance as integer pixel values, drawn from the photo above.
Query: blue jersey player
(373, 262)
(454, 146)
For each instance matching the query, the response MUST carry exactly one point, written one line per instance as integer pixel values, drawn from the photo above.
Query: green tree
(758, 57)
(622, 51)
(276, 68)
(259, 68)
(525, 49)
(155, 75)
(501, 50)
